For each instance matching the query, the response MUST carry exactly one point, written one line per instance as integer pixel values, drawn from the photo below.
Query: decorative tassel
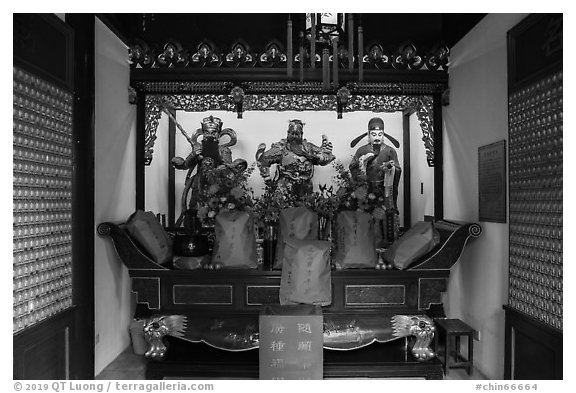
(325, 70)
(360, 54)
(289, 54)
(335, 62)
(301, 57)
(313, 42)
(350, 42)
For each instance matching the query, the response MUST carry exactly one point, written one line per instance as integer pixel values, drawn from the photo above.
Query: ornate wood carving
(239, 99)
(273, 55)
(290, 102)
(153, 114)
(214, 87)
(205, 56)
(240, 56)
(376, 58)
(425, 114)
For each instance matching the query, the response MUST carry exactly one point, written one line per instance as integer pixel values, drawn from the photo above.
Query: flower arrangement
(226, 190)
(325, 203)
(267, 207)
(353, 193)
(275, 198)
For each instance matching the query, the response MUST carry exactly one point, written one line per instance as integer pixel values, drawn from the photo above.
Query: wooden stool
(452, 358)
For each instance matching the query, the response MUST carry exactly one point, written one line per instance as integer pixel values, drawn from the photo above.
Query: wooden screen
(42, 199)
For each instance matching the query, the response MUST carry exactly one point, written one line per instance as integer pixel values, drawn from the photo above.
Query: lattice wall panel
(42, 198)
(535, 143)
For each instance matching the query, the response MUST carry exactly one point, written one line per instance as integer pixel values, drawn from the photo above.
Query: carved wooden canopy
(172, 76)
(236, 99)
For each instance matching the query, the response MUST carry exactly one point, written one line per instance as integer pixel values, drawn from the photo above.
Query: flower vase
(269, 245)
(324, 228)
(209, 231)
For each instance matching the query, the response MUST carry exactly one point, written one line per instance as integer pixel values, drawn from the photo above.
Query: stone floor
(128, 366)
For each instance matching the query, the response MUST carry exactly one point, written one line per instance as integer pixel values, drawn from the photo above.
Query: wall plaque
(492, 182)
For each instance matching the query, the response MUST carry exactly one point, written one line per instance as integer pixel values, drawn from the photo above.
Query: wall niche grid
(42, 199)
(535, 164)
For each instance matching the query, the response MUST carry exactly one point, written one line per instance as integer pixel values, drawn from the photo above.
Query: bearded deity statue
(376, 164)
(295, 158)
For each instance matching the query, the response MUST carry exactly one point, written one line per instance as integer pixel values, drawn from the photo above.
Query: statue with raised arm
(295, 158)
(206, 156)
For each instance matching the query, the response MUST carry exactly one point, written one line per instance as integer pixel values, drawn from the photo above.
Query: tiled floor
(126, 366)
(130, 366)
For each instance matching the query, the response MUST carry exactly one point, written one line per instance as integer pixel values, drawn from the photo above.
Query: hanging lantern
(325, 25)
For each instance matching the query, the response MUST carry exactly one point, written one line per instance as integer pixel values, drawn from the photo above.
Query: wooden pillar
(438, 159)
(140, 143)
(81, 338)
(406, 169)
(171, 170)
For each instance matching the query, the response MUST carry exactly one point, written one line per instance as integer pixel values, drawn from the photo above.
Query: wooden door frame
(64, 343)
(82, 358)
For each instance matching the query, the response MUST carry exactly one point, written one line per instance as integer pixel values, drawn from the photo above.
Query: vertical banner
(291, 342)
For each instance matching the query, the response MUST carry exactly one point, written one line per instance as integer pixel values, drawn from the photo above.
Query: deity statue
(295, 158)
(376, 164)
(206, 156)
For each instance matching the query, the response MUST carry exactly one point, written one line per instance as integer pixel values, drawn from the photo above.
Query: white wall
(156, 174)
(478, 115)
(114, 192)
(420, 173)
(266, 127)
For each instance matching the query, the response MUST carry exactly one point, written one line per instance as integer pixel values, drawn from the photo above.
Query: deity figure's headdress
(375, 123)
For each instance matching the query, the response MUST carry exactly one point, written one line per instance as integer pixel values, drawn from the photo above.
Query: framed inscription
(492, 182)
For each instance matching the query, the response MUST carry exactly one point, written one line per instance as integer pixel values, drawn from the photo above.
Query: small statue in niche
(212, 160)
(295, 158)
(376, 164)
